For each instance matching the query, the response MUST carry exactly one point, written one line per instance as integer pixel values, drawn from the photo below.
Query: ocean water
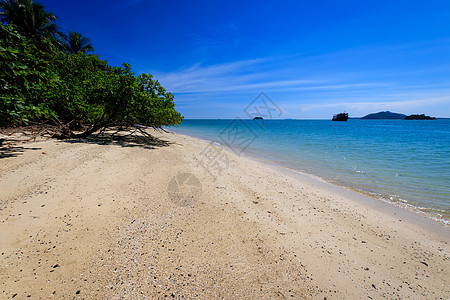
(403, 162)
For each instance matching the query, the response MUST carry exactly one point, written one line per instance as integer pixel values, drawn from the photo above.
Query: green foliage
(38, 82)
(74, 95)
(155, 102)
(92, 92)
(30, 19)
(24, 79)
(80, 90)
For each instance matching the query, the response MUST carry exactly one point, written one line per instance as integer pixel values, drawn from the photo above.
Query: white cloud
(310, 85)
(244, 76)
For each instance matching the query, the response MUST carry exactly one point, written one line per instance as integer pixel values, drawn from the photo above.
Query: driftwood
(31, 132)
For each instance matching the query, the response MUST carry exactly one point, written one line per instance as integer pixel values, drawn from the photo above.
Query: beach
(122, 218)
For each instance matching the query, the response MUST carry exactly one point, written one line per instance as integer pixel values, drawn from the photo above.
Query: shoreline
(100, 218)
(435, 227)
(403, 203)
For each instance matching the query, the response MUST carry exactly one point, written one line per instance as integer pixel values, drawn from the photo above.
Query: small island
(387, 115)
(258, 118)
(419, 117)
(384, 115)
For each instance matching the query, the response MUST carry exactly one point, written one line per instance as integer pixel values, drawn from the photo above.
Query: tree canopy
(47, 77)
(29, 18)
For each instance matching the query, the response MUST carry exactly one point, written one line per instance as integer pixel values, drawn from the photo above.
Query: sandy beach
(121, 219)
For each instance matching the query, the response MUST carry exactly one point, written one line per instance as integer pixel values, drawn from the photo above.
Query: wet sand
(100, 219)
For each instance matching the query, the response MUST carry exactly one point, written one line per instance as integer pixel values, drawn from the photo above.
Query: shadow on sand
(9, 148)
(123, 141)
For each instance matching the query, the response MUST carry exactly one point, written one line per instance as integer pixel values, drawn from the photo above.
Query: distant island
(258, 118)
(385, 115)
(419, 117)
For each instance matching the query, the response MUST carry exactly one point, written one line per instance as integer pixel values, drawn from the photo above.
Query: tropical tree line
(48, 77)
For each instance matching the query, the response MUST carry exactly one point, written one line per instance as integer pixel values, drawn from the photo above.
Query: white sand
(106, 221)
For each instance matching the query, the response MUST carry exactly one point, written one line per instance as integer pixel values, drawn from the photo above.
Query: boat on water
(340, 117)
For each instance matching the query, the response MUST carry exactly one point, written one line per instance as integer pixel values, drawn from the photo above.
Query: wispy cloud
(307, 84)
(248, 75)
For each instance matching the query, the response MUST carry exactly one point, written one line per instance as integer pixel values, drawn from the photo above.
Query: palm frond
(75, 42)
(29, 18)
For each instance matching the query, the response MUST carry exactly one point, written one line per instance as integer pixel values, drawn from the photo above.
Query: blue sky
(312, 58)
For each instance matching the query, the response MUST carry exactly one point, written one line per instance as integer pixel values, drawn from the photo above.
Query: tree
(30, 19)
(73, 93)
(75, 42)
(25, 79)
(91, 96)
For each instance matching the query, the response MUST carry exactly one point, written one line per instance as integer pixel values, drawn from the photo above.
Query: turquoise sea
(400, 161)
